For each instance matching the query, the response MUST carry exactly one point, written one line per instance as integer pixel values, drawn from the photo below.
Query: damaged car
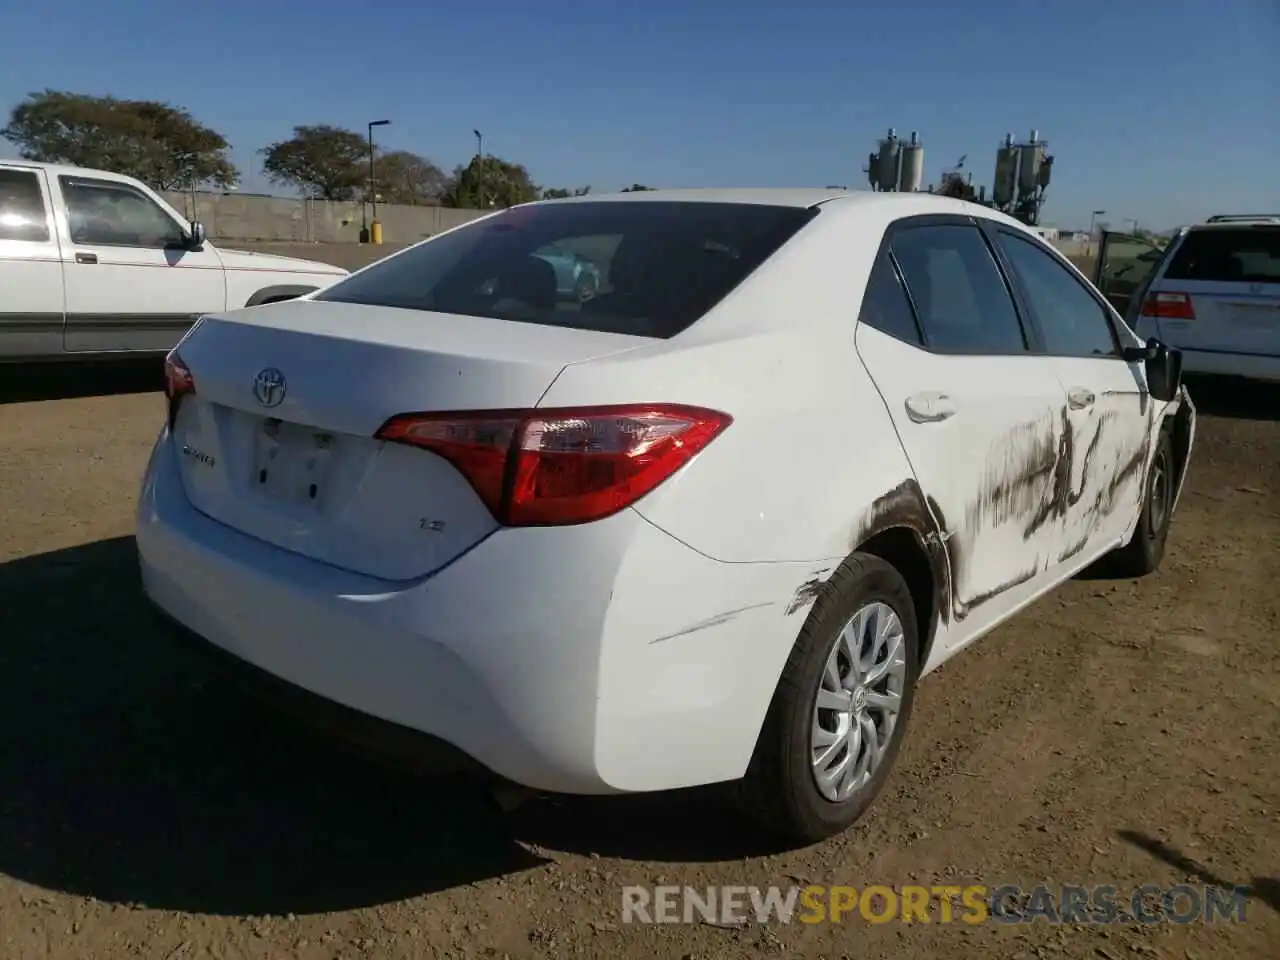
(710, 525)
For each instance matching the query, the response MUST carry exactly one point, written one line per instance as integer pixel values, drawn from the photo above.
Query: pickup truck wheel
(1145, 550)
(839, 714)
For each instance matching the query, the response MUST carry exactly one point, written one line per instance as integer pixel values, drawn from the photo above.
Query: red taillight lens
(1169, 306)
(562, 466)
(178, 382)
(477, 444)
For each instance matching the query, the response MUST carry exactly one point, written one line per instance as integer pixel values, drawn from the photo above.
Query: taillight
(178, 382)
(562, 466)
(1169, 306)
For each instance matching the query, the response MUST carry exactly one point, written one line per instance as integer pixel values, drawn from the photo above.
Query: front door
(977, 412)
(1108, 415)
(132, 283)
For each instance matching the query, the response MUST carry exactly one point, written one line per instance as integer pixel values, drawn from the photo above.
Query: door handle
(929, 407)
(1079, 398)
(86, 258)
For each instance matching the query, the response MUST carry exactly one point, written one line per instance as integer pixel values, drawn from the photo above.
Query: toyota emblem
(269, 387)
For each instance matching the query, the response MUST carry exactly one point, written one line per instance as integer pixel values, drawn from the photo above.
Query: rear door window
(1228, 255)
(644, 268)
(960, 296)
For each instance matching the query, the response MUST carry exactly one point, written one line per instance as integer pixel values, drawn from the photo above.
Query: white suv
(1213, 293)
(94, 263)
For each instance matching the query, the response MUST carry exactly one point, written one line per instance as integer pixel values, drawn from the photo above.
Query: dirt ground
(1118, 733)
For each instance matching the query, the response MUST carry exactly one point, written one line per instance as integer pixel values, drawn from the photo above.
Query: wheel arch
(903, 548)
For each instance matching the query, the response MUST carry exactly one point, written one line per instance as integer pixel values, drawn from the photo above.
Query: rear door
(132, 283)
(1221, 291)
(979, 415)
(1108, 415)
(1124, 265)
(31, 294)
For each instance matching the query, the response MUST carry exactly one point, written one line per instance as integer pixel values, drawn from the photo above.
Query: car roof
(892, 203)
(65, 170)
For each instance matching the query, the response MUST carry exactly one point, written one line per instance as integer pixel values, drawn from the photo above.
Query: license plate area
(1258, 316)
(291, 462)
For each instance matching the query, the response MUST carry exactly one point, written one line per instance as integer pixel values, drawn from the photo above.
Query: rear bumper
(391, 743)
(1251, 366)
(1216, 363)
(594, 659)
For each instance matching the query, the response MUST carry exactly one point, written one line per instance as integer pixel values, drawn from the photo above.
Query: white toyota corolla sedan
(711, 524)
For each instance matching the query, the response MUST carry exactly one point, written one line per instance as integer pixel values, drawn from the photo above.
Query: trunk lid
(1230, 317)
(306, 473)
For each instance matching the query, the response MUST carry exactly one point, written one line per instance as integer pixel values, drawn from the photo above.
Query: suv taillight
(566, 465)
(1169, 306)
(178, 382)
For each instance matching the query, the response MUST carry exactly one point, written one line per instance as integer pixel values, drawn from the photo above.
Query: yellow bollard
(375, 232)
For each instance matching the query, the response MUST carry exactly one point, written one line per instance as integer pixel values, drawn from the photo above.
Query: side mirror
(1163, 368)
(1147, 351)
(196, 238)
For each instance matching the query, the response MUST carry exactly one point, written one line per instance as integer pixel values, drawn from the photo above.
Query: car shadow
(29, 383)
(128, 773)
(1263, 889)
(1234, 398)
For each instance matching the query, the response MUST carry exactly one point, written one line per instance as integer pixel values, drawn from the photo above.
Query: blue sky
(1159, 111)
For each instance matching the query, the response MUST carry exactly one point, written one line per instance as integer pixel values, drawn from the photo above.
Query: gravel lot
(1118, 732)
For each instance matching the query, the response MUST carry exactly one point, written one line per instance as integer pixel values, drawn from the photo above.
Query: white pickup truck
(94, 263)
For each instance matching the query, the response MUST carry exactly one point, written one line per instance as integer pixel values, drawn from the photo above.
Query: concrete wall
(279, 220)
(276, 219)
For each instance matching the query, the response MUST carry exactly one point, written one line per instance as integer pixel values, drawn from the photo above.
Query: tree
(635, 188)
(322, 161)
(161, 145)
(490, 182)
(404, 177)
(559, 193)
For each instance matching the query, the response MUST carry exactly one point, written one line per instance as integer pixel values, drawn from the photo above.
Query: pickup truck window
(107, 213)
(22, 213)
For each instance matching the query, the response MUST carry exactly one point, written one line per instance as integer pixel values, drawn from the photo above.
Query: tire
(780, 789)
(1145, 550)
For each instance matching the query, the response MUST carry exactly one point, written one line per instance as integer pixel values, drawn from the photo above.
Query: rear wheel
(840, 711)
(1145, 550)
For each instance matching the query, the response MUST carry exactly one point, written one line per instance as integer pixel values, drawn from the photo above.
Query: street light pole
(1093, 225)
(373, 234)
(480, 164)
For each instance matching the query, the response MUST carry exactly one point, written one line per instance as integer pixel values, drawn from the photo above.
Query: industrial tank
(887, 161)
(911, 175)
(1029, 164)
(1004, 186)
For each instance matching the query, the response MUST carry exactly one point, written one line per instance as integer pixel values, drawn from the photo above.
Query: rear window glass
(645, 268)
(1227, 255)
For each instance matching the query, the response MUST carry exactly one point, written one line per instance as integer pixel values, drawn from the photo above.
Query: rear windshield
(1227, 255)
(645, 268)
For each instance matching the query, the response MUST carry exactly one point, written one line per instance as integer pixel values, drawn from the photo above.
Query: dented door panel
(987, 471)
(1107, 442)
